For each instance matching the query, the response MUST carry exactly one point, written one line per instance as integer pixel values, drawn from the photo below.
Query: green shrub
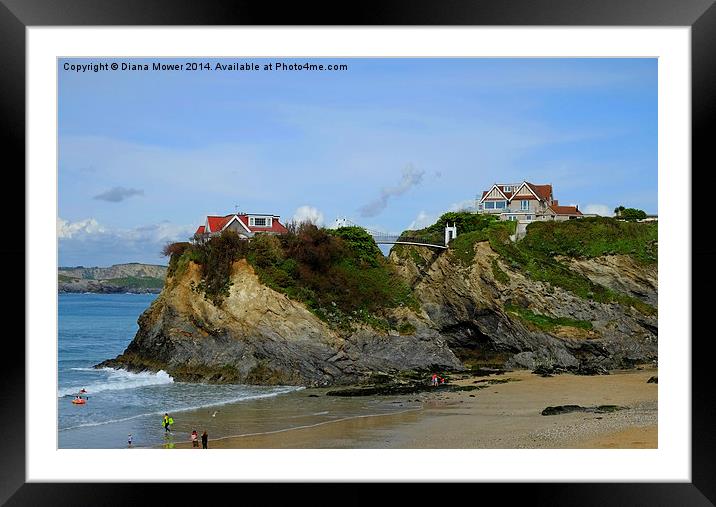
(339, 274)
(632, 214)
(361, 244)
(499, 275)
(406, 328)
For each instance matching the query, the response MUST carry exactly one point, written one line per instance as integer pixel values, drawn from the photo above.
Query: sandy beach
(505, 413)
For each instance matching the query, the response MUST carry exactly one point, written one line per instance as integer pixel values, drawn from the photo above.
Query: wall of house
(524, 191)
(239, 229)
(495, 193)
(533, 205)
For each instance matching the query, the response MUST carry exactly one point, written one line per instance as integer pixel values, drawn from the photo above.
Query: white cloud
(598, 209)
(422, 220)
(466, 205)
(87, 242)
(308, 214)
(67, 229)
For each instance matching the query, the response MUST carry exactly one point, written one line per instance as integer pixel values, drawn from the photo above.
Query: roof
(542, 191)
(566, 210)
(217, 223)
(200, 230)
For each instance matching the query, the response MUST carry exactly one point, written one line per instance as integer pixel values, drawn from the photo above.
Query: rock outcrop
(258, 335)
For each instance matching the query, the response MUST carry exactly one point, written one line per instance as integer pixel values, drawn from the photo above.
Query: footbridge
(387, 238)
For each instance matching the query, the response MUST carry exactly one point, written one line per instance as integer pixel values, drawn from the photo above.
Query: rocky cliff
(488, 311)
(258, 335)
(492, 312)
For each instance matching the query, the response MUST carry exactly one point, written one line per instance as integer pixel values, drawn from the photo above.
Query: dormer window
(260, 221)
(507, 189)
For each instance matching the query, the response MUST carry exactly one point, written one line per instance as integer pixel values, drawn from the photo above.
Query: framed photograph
(419, 245)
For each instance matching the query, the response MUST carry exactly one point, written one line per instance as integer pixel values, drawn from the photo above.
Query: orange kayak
(79, 401)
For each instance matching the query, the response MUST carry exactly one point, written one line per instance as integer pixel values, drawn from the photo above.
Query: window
(500, 204)
(528, 217)
(489, 205)
(260, 221)
(507, 189)
(524, 205)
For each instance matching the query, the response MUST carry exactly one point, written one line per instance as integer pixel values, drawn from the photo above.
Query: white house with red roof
(246, 225)
(525, 202)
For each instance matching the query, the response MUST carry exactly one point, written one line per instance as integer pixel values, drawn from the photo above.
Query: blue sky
(390, 143)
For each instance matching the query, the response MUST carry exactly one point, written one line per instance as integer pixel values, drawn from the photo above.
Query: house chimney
(555, 202)
(576, 206)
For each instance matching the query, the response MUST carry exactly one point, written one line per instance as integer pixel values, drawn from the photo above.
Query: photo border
(700, 15)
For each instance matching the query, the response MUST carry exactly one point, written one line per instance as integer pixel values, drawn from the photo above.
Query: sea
(95, 327)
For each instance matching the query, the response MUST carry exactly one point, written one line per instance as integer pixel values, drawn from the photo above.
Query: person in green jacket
(166, 422)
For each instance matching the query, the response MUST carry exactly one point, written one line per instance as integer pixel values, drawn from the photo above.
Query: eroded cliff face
(260, 336)
(471, 308)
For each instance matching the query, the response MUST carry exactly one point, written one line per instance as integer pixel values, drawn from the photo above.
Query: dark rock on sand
(653, 380)
(566, 409)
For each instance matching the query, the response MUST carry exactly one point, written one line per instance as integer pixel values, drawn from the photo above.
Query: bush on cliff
(465, 221)
(339, 274)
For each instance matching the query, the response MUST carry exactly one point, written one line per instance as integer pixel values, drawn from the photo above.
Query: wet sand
(500, 416)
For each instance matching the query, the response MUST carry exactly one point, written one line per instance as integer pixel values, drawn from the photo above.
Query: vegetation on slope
(340, 274)
(592, 237)
(535, 254)
(546, 322)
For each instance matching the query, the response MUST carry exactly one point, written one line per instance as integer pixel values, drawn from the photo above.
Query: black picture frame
(700, 15)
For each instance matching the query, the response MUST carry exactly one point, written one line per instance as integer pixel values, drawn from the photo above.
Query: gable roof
(200, 230)
(216, 224)
(542, 191)
(494, 186)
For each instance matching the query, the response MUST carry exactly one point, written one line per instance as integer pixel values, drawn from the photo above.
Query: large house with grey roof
(524, 202)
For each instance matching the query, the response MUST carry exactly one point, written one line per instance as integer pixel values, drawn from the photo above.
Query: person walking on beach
(434, 380)
(129, 440)
(205, 440)
(166, 422)
(194, 439)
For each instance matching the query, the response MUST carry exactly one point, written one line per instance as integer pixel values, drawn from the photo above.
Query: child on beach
(205, 440)
(194, 437)
(129, 440)
(434, 380)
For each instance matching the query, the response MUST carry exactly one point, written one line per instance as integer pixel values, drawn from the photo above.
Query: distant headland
(131, 277)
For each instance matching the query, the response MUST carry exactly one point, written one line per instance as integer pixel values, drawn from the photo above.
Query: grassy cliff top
(593, 237)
